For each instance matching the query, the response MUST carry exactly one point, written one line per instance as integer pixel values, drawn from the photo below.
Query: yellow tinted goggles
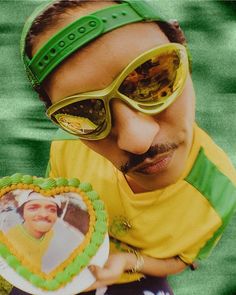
(149, 84)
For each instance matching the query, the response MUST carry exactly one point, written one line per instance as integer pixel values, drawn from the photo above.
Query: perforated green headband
(81, 32)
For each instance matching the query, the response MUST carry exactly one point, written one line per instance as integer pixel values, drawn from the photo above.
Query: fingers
(102, 274)
(97, 273)
(111, 271)
(92, 287)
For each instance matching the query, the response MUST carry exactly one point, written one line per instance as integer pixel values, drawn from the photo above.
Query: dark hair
(20, 210)
(53, 14)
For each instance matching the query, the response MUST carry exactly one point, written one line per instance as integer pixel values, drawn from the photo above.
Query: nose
(43, 212)
(134, 130)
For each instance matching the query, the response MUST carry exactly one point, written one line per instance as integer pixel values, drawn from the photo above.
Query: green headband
(81, 32)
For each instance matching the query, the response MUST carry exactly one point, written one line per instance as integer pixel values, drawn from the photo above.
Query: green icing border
(82, 259)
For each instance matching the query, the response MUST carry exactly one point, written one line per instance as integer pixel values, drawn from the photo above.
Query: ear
(179, 32)
(175, 34)
(173, 31)
(43, 96)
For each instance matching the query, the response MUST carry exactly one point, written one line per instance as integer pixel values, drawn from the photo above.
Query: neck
(134, 186)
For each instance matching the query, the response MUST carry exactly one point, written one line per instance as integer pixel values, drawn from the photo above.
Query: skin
(39, 217)
(94, 68)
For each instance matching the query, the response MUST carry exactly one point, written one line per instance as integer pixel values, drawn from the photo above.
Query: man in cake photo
(40, 235)
(168, 188)
(33, 236)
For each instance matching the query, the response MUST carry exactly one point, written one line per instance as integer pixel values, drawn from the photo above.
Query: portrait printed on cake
(43, 230)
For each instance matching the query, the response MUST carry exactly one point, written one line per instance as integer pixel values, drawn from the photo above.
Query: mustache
(43, 219)
(153, 151)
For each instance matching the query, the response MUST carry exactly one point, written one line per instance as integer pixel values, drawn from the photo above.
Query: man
(159, 174)
(33, 236)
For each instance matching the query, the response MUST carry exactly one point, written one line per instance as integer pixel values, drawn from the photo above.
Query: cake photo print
(50, 231)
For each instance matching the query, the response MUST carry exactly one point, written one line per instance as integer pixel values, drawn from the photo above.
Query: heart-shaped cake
(51, 229)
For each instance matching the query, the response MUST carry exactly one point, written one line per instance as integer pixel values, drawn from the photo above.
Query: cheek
(182, 111)
(53, 216)
(28, 215)
(109, 149)
(188, 97)
(103, 147)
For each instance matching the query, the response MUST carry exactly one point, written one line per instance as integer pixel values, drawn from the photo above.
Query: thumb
(99, 272)
(94, 270)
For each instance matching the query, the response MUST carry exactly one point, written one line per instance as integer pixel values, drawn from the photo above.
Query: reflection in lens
(154, 80)
(82, 117)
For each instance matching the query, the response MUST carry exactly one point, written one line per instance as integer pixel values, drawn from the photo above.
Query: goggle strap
(147, 9)
(28, 25)
(82, 31)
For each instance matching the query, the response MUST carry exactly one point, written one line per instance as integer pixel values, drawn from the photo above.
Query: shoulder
(72, 158)
(15, 231)
(60, 146)
(216, 156)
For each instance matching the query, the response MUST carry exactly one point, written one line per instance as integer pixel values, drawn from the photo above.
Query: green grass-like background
(210, 27)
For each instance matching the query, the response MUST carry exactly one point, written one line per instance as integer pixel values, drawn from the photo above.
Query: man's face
(169, 134)
(39, 216)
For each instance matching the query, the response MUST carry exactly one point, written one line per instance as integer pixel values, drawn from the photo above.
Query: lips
(154, 165)
(43, 221)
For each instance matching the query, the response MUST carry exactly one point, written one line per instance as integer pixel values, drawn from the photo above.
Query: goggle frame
(112, 91)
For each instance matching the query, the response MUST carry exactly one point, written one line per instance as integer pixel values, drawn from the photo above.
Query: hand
(111, 272)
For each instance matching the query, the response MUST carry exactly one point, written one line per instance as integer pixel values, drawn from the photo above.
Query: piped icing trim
(81, 256)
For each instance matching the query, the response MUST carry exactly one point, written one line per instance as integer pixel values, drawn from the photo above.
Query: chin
(160, 180)
(157, 183)
(44, 229)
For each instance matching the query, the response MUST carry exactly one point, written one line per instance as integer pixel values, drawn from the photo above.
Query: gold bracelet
(139, 263)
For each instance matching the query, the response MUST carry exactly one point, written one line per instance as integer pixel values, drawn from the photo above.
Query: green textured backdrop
(210, 27)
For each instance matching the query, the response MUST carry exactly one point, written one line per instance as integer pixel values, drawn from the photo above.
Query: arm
(121, 262)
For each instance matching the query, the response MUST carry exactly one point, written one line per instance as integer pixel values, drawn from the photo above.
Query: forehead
(40, 203)
(96, 65)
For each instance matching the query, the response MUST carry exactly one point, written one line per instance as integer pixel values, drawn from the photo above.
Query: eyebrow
(39, 205)
(51, 205)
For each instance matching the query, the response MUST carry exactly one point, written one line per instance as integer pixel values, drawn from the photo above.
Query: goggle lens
(154, 80)
(82, 117)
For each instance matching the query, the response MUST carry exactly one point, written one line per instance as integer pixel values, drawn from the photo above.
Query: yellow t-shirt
(28, 248)
(185, 219)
